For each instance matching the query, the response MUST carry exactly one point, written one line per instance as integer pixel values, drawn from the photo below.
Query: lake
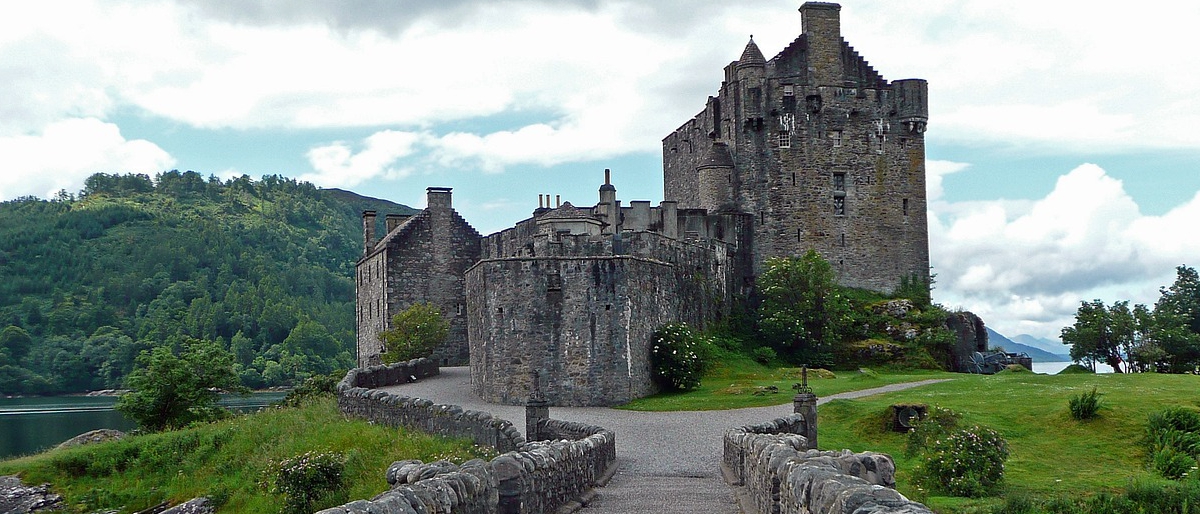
(1052, 368)
(30, 425)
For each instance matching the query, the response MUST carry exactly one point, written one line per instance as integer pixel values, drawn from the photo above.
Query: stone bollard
(805, 404)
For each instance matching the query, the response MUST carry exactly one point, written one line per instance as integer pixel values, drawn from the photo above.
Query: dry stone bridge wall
(771, 462)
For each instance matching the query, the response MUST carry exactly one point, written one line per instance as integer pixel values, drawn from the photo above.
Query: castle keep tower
(820, 149)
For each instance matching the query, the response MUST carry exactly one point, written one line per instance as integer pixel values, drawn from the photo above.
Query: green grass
(229, 461)
(1052, 455)
(732, 382)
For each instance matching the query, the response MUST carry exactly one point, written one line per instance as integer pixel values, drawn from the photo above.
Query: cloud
(337, 165)
(69, 151)
(1025, 266)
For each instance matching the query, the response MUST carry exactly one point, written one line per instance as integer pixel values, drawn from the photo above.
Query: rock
(95, 436)
(199, 505)
(17, 498)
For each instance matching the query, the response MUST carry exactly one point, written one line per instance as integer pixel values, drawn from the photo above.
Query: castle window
(836, 136)
(839, 205)
(839, 181)
(459, 308)
(906, 206)
(785, 139)
(843, 239)
(793, 179)
(799, 234)
(789, 90)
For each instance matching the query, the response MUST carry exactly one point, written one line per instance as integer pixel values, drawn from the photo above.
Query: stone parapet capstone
(528, 477)
(781, 474)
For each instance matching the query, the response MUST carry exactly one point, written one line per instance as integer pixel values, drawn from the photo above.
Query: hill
(1038, 355)
(1041, 343)
(87, 281)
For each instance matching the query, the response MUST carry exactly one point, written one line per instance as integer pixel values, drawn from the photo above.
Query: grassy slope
(231, 458)
(1051, 454)
(732, 382)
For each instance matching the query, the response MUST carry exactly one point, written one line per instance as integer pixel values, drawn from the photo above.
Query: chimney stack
(437, 197)
(368, 231)
(822, 27)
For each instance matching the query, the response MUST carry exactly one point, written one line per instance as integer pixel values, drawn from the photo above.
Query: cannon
(988, 363)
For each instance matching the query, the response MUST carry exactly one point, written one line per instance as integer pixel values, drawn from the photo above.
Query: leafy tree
(1101, 333)
(415, 332)
(15, 342)
(171, 391)
(803, 311)
(1177, 322)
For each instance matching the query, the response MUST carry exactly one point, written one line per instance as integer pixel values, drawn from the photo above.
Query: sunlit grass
(228, 461)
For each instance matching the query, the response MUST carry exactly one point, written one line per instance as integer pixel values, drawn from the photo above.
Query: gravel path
(666, 461)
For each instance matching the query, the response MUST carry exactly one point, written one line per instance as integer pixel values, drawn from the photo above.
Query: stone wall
(527, 478)
(782, 475)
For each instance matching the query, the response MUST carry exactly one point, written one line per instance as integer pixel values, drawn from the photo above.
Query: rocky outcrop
(18, 498)
(195, 506)
(95, 436)
(971, 335)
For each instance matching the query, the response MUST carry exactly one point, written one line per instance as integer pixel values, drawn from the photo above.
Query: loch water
(31, 425)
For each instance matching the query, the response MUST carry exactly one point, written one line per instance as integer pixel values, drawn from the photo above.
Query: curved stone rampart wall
(528, 477)
(781, 474)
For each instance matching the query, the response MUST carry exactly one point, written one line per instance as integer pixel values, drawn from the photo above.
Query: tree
(415, 332)
(171, 391)
(803, 311)
(1177, 322)
(16, 342)
(1111, 335)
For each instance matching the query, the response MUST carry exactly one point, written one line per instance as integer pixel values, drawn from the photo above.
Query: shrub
(310, 482)
(416, 332)
(938, 423)
(1085, 405)
(678, 357)
(765, 355)
(312, 387)
(1076, 369)
(1173, 464)
(966, 462)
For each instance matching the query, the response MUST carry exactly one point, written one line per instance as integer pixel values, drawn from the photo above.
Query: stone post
(536, 409)
(805, 404)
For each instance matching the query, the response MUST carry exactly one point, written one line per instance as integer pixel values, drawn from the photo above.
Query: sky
(1063, 144)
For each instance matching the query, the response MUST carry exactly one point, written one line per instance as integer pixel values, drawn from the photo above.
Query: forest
(133, 262)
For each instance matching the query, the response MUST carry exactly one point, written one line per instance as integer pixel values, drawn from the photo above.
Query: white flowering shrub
(678, 357)
(310, 481)
(965, 462)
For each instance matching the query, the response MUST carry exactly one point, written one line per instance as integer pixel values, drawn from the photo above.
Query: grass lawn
(731, 384)
(229, 461)
(1050, 453)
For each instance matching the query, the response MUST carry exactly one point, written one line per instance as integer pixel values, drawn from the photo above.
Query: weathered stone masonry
(527, 478)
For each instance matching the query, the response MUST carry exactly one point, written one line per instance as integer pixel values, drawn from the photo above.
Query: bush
(938, 423)
(416, 332)
(1084, 406)
(1173, 464)
(678, 357)
(310, 482)
(1172, 441)
(1076, 369)
(312, 387)
(765, 355)
(967, 462)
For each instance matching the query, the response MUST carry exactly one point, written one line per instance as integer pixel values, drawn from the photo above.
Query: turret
(751, 69)
(822, 27)
(912, 104)
(715, 173)
(368, 231)
(608, 208)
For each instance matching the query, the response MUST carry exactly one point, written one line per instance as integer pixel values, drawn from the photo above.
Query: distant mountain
(1038, 355)
(1042, 343)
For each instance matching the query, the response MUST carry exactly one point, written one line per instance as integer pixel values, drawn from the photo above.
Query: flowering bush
(310, 481)
(966, 462)
(678, 357)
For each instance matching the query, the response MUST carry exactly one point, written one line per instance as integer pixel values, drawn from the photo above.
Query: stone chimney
(438, 197)
(368, 231)
(394, 220)
(821, 24)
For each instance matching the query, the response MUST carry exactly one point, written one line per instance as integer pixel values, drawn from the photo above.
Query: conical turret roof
(751, 55)
(717, 156)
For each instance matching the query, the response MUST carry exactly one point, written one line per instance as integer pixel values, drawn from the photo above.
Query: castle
(811, 149)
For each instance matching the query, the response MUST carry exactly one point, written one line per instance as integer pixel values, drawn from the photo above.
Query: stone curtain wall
(783, 476)
(527, 478)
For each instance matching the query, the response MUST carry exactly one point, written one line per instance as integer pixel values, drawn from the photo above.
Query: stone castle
(811, 149)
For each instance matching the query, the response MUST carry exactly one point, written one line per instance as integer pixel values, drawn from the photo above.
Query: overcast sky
(1063, 142)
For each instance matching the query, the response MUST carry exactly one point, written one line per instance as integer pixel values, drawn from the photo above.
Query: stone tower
(820, 149)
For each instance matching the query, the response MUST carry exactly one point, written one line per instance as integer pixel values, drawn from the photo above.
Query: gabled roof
(564, 211)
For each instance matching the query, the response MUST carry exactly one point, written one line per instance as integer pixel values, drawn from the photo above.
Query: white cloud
(337, 165)
(1024, 267)
(67, 152)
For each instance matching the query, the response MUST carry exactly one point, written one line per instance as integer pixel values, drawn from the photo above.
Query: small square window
(839, 181)
(785, 139)
(789, 91)
(836, 136)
